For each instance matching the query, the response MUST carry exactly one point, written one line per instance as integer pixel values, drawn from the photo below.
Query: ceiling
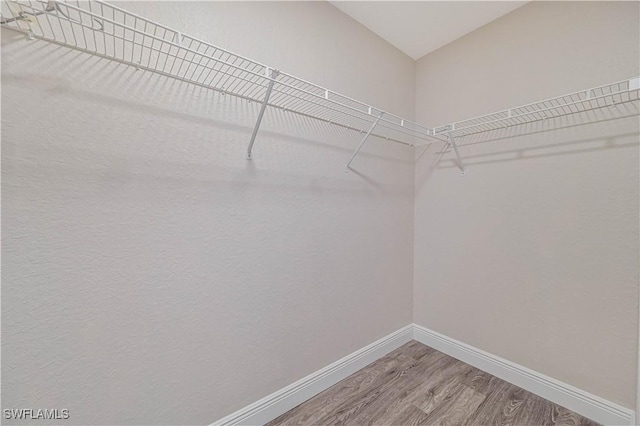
(420, 27)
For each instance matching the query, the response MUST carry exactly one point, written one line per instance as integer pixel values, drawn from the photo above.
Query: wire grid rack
(104, 30)
(608, 95)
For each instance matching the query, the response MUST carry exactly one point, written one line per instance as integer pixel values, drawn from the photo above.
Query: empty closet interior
(254, 212)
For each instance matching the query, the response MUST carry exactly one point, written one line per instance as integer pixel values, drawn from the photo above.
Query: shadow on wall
(111, 126)
(89, 79)
(608, 128)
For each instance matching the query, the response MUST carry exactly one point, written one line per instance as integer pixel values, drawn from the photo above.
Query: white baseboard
(279, 402)
(583, 403)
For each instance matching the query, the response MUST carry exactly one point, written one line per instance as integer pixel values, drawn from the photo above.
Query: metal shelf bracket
(459, 162)
(364, 139)
(273, 75)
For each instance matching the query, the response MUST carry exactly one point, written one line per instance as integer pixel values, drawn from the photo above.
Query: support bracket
(272, 79)
(364, 139)
(459, 162)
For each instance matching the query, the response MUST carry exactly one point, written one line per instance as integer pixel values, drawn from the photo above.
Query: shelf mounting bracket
(364, 139)
(459, 162)
(272, 75)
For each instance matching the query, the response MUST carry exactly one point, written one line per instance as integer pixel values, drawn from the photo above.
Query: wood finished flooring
(418, 385)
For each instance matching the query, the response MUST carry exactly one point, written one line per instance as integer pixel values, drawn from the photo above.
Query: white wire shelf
(605, 96)
(106, 31)
(109, 32)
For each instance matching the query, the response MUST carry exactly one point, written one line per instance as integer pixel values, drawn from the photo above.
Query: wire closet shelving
(609, 95)
(109, 32)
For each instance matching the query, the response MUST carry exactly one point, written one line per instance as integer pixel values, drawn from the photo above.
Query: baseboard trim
(283, 400)
(583, 403)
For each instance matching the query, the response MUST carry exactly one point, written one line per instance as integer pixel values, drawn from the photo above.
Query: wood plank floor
(417, 385)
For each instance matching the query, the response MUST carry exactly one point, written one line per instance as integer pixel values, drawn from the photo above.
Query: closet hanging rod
(113, 33)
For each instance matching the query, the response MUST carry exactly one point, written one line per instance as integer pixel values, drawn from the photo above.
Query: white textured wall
(533, 255)
(153, 275)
